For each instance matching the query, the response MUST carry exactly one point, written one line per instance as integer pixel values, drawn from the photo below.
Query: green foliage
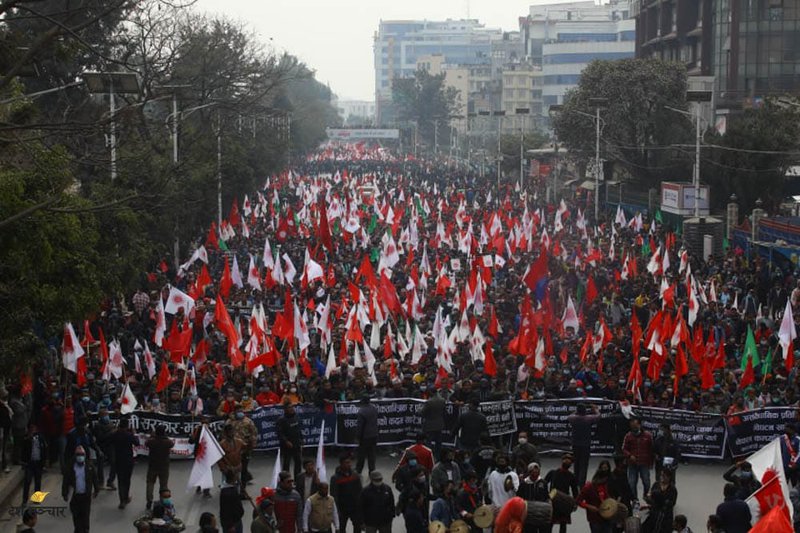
(426, 101)
(50, 263)
(635, 122)
(757, 149)
(509, 146)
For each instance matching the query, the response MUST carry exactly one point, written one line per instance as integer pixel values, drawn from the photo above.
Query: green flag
(372, 223)
(337, 228)
(658, 216)
(646, 249)
(725, 243)
(767, 367)
(750, 350)
(222, 245)
(420, 211)
(375, 255)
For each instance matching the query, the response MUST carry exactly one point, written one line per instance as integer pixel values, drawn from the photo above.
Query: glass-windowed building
(399, 44)
(564, 38)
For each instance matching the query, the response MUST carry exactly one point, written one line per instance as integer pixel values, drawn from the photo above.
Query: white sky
(334, 37)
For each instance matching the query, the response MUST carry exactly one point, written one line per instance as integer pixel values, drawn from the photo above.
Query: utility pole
(696, 177)
(597, 166)
(219, 170)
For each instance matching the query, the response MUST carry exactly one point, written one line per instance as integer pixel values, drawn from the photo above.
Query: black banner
(310, 418)
(547, 424)
(499, 417)
(700, 435)
(399, 420)
(750, 431)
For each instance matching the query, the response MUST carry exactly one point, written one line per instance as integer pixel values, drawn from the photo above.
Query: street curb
(9, 484)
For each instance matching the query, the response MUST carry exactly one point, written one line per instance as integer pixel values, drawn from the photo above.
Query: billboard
(360, 134)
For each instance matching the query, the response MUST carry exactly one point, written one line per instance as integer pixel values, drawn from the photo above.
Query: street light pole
(113, 132)
(696, 176)
(219, 170)
(597, 166)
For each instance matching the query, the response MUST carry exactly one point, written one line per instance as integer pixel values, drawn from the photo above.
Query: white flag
(276, 469)
(177, 300)
(322, 471)
(129, 402)
(71, 349)
(253, 275)
(787, 334)
(236, 274)
(208, 452)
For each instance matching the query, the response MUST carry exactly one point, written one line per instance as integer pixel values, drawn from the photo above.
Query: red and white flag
(253, 275)
(767, 466)
(128, 403)
(71, 349)
(178, 300)
(207, 453)
(161, 323)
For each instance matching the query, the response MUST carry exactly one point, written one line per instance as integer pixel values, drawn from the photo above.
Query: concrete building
(362, 111)
(455, 76)
(522, 90)
(563, 39)
(399, 43)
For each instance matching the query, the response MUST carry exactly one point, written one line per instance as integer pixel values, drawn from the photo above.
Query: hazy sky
(334, 37)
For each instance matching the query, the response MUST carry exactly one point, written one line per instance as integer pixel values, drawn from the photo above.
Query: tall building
(455, 76)
(750, 47)
(522, 91)
(357, 112)
(399, 43)
(564, 38)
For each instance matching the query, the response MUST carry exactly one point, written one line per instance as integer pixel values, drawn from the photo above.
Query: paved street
(699, 492)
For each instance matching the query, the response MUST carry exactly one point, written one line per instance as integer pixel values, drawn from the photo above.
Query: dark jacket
(433, 414)
(230, 507)
(582, 428)
(123, 443)
(346, 490)
(472, 425)
(159, 448)
(416, 522)
(27, 448)
(289, 431)
(367, 422)
(745, 485)
(377, 505)
(68, 482)
(735, 516)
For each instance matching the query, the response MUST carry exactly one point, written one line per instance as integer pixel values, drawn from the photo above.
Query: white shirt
(497, 491)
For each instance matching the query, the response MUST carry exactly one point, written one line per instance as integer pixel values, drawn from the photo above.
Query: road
(699, 492)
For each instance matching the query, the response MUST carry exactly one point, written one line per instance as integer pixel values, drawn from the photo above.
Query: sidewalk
(10, 491)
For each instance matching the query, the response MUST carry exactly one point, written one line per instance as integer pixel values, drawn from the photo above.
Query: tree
(752, 157)
(509, 147)
(637, 128)
(428, 102)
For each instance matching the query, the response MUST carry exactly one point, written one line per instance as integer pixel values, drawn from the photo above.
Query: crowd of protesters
(446, 220)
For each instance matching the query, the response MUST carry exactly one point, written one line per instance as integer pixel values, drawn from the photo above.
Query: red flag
(564, 355)
(25, 383)
(234, 216)
(224, 323)
(591, 290)
(719, 360)
(204, 279)
(103, 347)
(164, 377)
(538, 270)
(220, 379)
(323, 228)
(775, 521)
(366, 272)
(211, 239)
(489, 364)
(493, 325)
(87, 334)
(636, 333)
(226, 282)
(749, 376)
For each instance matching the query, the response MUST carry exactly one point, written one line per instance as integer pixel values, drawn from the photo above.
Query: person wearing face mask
(423, 454)
(292, 396)
(103, 430)
(155, 405)
(80, 479)
(444, 507)
(444, 473)
(524, 453)
(245, 430)
(159, 447)
(346, 491)
(469, 498)
(565, 481)
(502, 483)
(741, 475)
(533, 488)
(165, 499)
(377, 505)
(193, 405)
(228, 406)
(289, 438)
(404, 474)
(233, 447)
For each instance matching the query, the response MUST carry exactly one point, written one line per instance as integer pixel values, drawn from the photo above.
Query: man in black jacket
(122, 441)
(733, 512)
(367, 432)
(471, 426)
(377, 505)
(159, 447)
(290, 441)
(346, 491)
(433, 414)
(230, 503)
(34, 452)
(80, 478)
